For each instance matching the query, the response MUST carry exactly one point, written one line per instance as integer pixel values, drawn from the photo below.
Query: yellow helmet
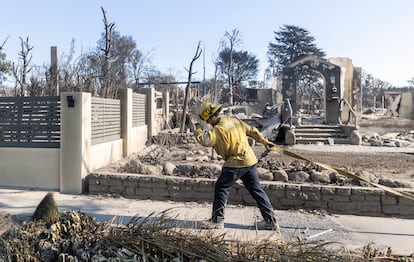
(206, 110)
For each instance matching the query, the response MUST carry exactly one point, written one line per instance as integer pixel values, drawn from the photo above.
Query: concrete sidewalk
(352, 232)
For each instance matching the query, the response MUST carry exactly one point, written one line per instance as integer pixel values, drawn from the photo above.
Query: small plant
(47, 209)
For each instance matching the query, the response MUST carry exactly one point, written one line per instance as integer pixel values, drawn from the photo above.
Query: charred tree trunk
(20, 73)
(109, 29)
(187, 89)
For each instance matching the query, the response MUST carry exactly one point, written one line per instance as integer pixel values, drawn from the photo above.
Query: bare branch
(4, 42)
(20, 73)
(234, 40)
(187, 88)
(109, 29)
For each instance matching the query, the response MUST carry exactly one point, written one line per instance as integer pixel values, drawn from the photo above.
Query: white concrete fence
(64, 168)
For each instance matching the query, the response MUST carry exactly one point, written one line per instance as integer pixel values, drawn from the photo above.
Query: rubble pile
(395, 139)
(200, 162)
(188, 159)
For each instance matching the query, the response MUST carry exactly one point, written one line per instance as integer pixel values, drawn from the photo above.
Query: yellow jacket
(229, 138)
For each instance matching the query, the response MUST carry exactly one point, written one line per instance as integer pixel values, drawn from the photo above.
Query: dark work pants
(251, 182)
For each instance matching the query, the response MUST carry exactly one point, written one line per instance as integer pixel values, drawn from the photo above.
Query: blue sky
(376, 35)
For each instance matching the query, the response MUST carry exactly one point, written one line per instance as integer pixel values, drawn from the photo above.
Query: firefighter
(229, 138)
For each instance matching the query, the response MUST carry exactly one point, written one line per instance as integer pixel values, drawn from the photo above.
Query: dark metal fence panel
(139, 109)
(30, 122)
(105, 120)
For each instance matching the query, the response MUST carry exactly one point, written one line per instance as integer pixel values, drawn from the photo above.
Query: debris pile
(199, 162)
(73, 234)
(395, 139)
(77, 237)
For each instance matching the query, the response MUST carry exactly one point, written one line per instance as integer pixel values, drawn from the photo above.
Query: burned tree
(187, 88)
(109, 29)
(234, 40)
(20, 73)
(5, 66)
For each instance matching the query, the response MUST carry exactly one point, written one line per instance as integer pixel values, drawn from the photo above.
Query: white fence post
(75, 142)
(166, 97)
(126, 120)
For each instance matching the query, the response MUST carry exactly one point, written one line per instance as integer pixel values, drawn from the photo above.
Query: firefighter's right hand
(269, 145)
(198, 126)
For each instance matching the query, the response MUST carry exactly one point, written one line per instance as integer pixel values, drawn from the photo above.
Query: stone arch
(332, 76)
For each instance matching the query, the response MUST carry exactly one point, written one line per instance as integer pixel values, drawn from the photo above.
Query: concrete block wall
(338, 200)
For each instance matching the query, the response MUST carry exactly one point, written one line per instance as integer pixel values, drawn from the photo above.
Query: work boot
(267, 225)
(208, 224)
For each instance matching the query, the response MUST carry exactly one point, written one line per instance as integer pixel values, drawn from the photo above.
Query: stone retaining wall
(333, 199)
(172, 138)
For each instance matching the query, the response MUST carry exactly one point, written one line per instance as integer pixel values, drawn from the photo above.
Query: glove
(198, 126)
(268, 144)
